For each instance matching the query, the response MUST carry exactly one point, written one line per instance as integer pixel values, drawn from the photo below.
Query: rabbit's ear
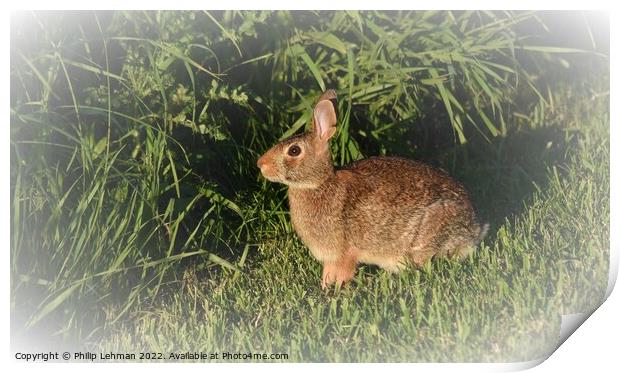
(324, 120)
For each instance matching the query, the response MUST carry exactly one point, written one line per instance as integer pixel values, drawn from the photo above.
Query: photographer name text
(119, 356)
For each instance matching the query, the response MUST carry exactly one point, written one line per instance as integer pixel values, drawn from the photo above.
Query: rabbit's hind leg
(459, 241)
(420, 257)
(445, 243)
(429, 231)
(458, 247)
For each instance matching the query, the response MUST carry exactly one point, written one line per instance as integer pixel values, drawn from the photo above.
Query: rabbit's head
(304, 161)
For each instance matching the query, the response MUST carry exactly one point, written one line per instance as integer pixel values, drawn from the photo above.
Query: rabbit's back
(405, 180)
(392, 204)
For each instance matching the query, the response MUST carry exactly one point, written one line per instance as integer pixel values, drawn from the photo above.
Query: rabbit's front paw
(338, 272)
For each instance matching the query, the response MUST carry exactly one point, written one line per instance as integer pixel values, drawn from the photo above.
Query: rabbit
(387, 211)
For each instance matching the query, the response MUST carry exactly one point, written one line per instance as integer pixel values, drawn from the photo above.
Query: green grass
(139, 220)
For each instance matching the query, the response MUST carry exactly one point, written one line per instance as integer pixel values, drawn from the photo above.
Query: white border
(592, 346)
(314, 4)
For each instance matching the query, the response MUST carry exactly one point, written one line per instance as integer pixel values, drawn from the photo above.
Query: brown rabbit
(382, 210)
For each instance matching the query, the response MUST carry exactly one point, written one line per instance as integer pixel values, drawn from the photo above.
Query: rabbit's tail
(483, 232)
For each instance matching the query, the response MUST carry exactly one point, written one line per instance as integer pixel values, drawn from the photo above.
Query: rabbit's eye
(294, 151)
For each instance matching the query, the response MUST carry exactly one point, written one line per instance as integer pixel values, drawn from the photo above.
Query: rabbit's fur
(382, 210)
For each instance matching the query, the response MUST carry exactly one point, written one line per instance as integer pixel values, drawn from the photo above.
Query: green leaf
(222, 262)
(314, 69)
(303, 119)
(100, 146)
(52, 305)
(329, 40)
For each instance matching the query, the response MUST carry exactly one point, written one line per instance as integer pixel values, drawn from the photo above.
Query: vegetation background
(139, 221)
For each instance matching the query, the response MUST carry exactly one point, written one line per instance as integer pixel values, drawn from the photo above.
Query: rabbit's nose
(261, 162)
(266, 167)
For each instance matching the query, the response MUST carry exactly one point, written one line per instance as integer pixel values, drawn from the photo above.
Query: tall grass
(134, 134)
